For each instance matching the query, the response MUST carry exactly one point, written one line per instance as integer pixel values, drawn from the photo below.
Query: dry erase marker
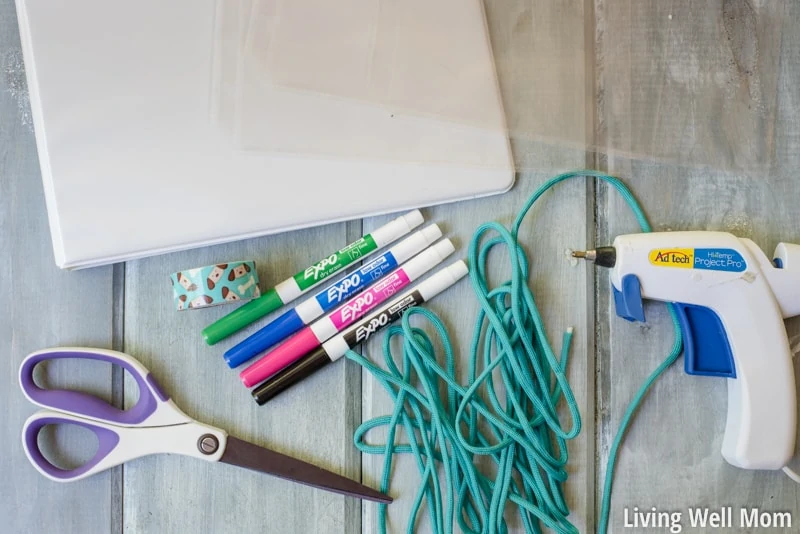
(320, 331)
(330, 297)
(335, 348)
(290, 289)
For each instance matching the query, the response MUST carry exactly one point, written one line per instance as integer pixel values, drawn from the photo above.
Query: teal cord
(449, 427)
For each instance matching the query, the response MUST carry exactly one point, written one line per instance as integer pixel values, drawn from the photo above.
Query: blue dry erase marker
(330, 297)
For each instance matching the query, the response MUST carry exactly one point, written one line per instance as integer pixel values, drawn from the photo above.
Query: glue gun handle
(761, 420)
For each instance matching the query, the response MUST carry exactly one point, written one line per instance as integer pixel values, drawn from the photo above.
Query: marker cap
(241, 317)
(291, 375)
(397, 228)
(428, 258)
(275, 332)
(413, 219)
(443, 279)
(415, 243)
(431, 232)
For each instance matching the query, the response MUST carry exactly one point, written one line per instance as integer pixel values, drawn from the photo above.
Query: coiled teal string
(449, 427)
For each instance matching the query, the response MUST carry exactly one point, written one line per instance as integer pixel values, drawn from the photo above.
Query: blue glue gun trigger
(705, 343)
(628, 302)
(706, 348)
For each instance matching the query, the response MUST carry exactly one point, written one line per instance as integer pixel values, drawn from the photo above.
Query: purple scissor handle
(153, 425)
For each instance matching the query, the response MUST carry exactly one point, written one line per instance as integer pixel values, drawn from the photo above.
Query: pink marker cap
(280, 357)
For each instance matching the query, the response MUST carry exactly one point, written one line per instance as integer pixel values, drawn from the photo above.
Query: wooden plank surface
(538, 90)
(689, 82)
(312, 422)
(671, 459)
(40, 307)
(697, 108)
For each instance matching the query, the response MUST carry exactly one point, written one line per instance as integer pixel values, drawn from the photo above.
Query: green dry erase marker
(293, 287)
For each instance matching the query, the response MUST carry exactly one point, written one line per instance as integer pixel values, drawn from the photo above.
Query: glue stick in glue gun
(731, 301)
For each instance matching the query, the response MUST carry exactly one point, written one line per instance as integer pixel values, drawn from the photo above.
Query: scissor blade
(250, 456)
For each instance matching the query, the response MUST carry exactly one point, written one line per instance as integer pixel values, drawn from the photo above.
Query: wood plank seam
(593, 140)
(353, 231)
(118, 389)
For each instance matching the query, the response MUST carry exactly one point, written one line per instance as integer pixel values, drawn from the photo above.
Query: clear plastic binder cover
(426, 82)
(231, 19)
(369, 80)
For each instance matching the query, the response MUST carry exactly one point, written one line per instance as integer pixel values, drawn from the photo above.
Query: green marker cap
(241, 317)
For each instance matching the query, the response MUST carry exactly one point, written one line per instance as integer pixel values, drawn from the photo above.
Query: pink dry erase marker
(320, 331)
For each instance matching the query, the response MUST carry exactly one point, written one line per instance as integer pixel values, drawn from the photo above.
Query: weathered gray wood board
(671, 459)
(690, 82)
(41, 306)
(696, 107)
(314, 422)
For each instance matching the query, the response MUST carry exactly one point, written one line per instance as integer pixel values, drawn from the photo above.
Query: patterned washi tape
(215, 284)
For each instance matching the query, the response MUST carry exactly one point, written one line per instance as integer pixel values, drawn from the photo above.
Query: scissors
(153, 425)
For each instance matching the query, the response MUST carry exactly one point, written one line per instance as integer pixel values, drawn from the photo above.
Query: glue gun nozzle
(588, 255)
(602, 256)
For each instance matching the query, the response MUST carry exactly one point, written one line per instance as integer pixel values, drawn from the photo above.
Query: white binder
(139, 157)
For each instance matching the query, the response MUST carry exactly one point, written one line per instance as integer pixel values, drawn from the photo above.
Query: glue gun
(731, 302)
